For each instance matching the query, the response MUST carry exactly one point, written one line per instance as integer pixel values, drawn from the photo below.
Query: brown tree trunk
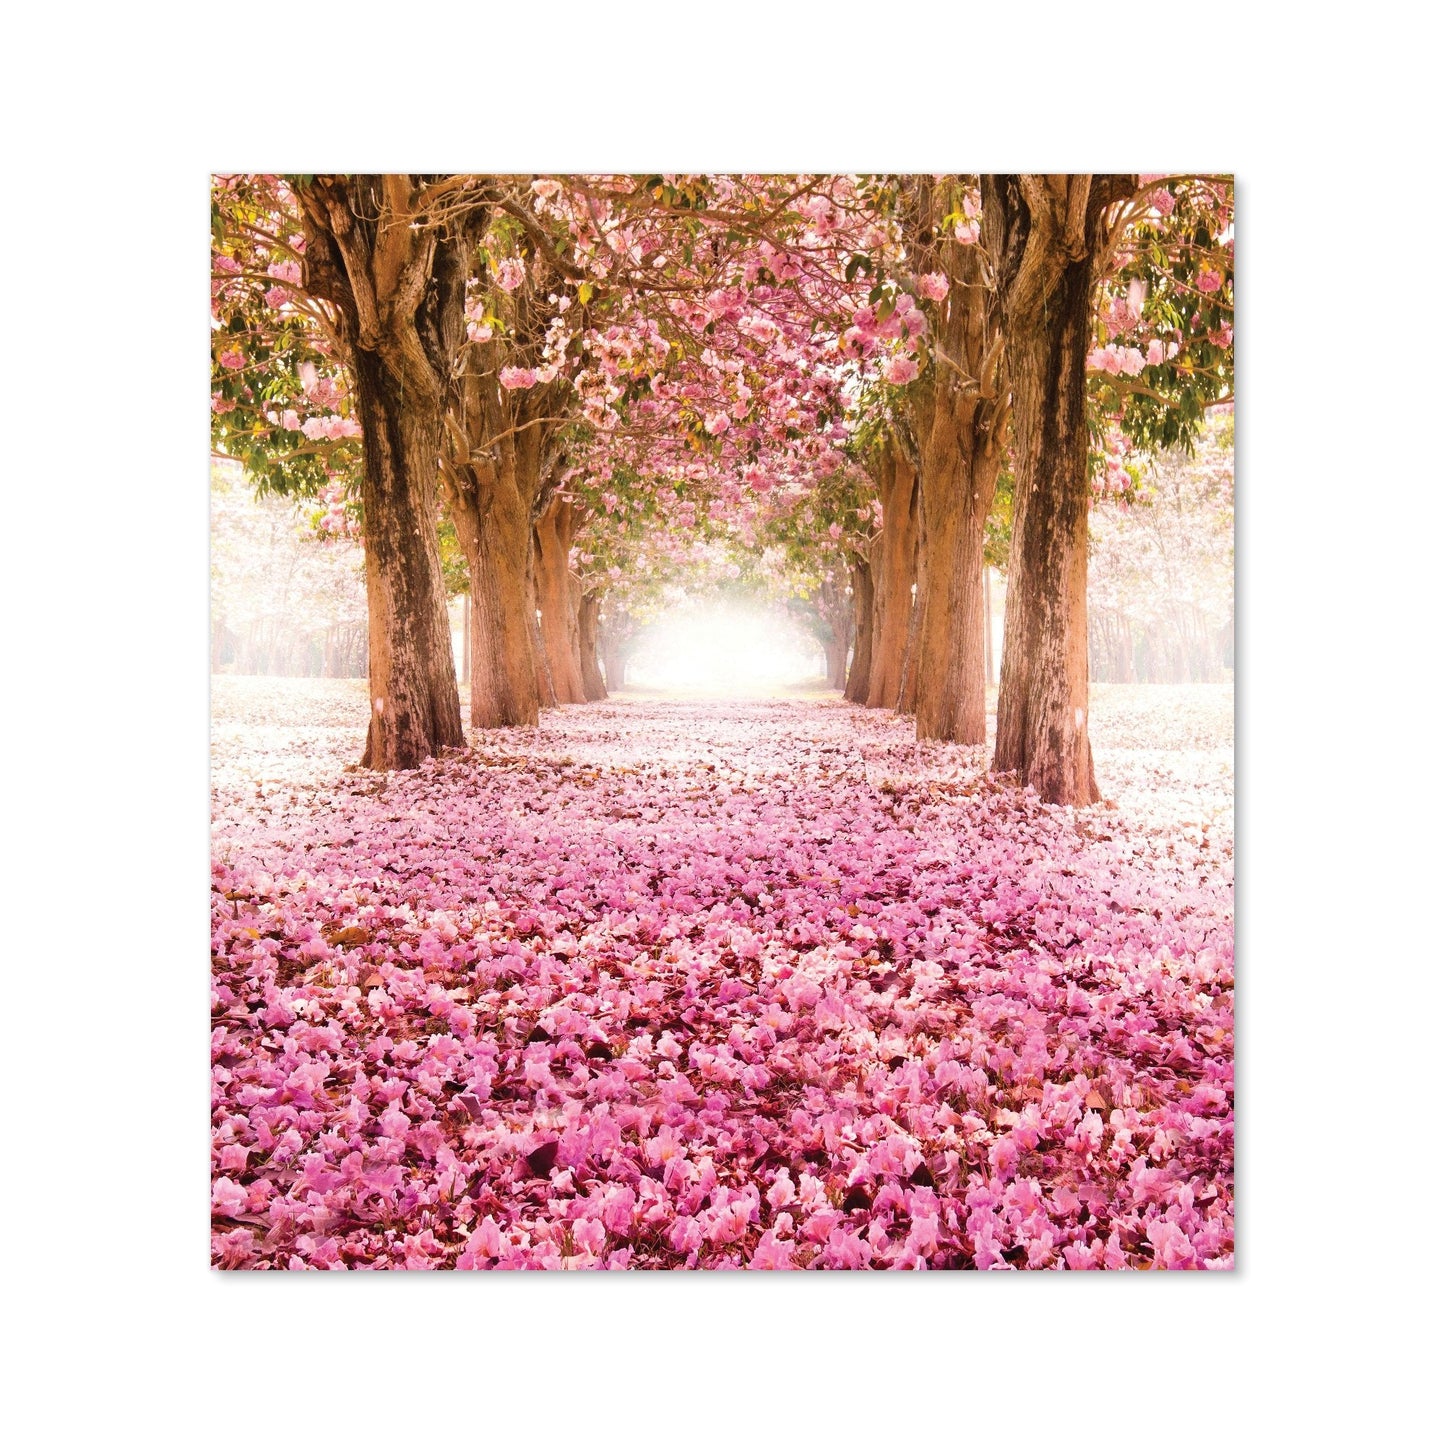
(415, 707)
(1044, 234)
(594, 689)
(958, 410)
(492, 477)
(957, 479)
(394, 277)
(897, 480)
(552, 537)
(835, 650)
(861, 668)
(493, 527)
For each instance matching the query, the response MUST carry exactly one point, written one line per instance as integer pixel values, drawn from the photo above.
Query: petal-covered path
(715, 984)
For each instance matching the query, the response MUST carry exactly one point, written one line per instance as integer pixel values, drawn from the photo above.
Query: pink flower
(590, 1235)
(934, 285)
(685, 1235)
(510, 274)
(1209, 279)
(232, 360)
(899, 370)
(277, 297)
(617, 1211)
(966, 233)
(517, 378)
(486, 1243)
(227, 1197)
(782, 1191)
(772, 1253)
(717, 423)
(236, 1247)
(1156, 353)
(1172, 1248)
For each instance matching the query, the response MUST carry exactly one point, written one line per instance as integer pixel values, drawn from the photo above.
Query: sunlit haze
(726, 652)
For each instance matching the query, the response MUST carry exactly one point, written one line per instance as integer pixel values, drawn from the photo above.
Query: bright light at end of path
(725, 652)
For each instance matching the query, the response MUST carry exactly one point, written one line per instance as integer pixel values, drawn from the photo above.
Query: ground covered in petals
(670, 984)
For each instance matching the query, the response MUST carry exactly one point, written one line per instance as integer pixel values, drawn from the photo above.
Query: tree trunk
(498, 453)
(957, 410)
(394, 277)
(594, 689)
(897, 480)
(1044, 233)
(957, 479)
(861, 669)
(494, 529)
(415, 707)
(835, 650)
(552, 537)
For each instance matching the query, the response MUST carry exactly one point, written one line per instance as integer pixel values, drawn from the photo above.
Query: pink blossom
(516, 378)
(232, 360)
(899, 370)
(772, 1253)
(934, 285)
(510, 274)
(227, 1197)
(782, 1190)
(590, 1235)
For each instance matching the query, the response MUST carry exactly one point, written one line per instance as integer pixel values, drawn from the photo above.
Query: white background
(119, 1330)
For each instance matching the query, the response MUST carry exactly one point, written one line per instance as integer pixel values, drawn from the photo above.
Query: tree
(380, 263)
(1045, 235)
(958, 409)
(894, 565)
